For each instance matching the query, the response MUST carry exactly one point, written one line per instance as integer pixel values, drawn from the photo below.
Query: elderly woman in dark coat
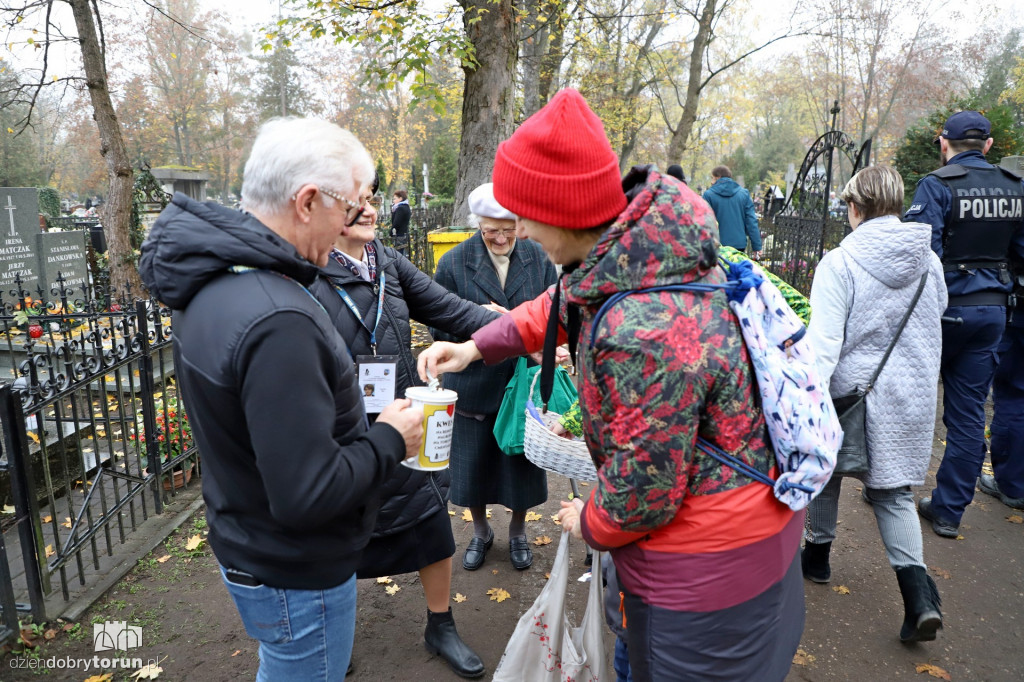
(413, 531)
(492, 266)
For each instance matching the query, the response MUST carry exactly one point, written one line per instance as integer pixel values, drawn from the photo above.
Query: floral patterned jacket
(663, 369)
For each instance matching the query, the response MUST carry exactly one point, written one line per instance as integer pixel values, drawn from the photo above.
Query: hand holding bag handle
(852, 458)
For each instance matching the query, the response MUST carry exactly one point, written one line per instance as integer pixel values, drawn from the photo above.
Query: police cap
(966, 125)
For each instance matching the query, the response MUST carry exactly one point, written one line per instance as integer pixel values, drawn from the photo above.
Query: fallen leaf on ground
(556, 519)
(959, 537)
(542, 540)
(47, 518)
(149, 672)
(841, 589)
(459, 598)
(67, 522)
(49, 550)
(237, 651)
(466, 516)
(193, 543)
(547, 576)
(494, 572)
(393, 589)
(533, 516)
(33, 436)
(68, 627)
(100, 678)
(451, 512)
(8, 509)
(497, 594)
(584, 483)
(802, 658)
(50, 634)
(1014, 518)
(164, 558)
(944, 574)
(933, 670)
(489, 513)
(384, 580)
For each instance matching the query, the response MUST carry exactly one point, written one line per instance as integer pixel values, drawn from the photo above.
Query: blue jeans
(622, 672)
(969, 361)
(303, 634)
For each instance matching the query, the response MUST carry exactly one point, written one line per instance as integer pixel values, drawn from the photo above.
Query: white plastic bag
(545, 647)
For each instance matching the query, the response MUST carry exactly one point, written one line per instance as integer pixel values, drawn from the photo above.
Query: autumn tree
(178, 57)
(47, 26)
(711, 53)
(481, 34)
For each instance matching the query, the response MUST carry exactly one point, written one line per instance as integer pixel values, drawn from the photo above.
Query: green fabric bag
(511, 421)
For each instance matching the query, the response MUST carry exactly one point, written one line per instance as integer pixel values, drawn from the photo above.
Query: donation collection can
(438, 407)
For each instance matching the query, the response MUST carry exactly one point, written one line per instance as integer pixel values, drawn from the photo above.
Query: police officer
(1007, 447)
(976, 211)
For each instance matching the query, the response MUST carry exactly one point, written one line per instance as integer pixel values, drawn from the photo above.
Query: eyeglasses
(493, 234)
(353, 206)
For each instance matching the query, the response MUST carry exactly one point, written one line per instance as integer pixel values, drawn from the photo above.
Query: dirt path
(190, 625)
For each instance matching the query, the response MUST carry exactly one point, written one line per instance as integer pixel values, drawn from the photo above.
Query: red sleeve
(518, 333)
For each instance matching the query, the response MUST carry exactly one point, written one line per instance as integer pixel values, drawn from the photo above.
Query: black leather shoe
(941, 527)
(442, 639)
(519, 553)
(476, 551)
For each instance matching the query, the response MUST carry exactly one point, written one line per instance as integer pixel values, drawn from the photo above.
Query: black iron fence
(794, 244)
(415, 245)
(95, 441)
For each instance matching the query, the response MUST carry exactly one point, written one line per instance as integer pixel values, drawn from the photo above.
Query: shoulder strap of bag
(892, 344)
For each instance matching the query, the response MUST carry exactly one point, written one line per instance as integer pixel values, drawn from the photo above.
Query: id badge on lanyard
(377, 380)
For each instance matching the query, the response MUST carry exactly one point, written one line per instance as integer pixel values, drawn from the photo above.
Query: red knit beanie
(558, 167)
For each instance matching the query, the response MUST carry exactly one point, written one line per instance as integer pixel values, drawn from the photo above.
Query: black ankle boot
(814, 561)
(922, 617)
(443, 640)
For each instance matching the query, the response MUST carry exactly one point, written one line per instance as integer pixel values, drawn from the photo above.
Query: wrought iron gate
(808, 224)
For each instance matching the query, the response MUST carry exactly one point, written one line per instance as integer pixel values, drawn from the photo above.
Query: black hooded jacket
(408, 496)
(289, 465)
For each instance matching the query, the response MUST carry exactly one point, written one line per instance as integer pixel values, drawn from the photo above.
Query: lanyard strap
(241, 269)
(355, 311)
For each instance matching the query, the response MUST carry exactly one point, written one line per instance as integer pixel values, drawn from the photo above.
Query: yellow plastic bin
(443, 239)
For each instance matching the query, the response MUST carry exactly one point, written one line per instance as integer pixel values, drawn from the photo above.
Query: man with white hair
(289, 462)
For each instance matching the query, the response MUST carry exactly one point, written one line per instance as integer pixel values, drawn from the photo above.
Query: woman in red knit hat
(706, 557)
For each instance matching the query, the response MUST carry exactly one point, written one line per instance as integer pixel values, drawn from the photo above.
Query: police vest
(987, 209)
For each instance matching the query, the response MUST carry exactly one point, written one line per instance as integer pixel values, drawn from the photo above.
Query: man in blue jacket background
(975, 210)
(734, 211)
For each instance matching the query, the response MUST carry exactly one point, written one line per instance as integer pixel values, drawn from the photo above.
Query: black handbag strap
(903, 323)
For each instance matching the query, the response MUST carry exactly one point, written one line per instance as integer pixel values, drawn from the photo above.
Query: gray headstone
(63, 253)
(1014, 163)
(19, 225)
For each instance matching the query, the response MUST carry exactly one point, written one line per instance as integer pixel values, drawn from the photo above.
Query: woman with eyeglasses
(371, 292)
(492, 266)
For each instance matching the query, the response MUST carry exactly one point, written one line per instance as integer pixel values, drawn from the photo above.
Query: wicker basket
(551, 452)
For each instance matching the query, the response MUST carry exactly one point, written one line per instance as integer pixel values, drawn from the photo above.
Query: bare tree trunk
(117, 209)
(488, 95)
(533, 52)
(694, 86)
(552, 59)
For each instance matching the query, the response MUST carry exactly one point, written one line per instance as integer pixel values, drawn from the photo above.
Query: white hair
(291, 152)
(473, 221)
